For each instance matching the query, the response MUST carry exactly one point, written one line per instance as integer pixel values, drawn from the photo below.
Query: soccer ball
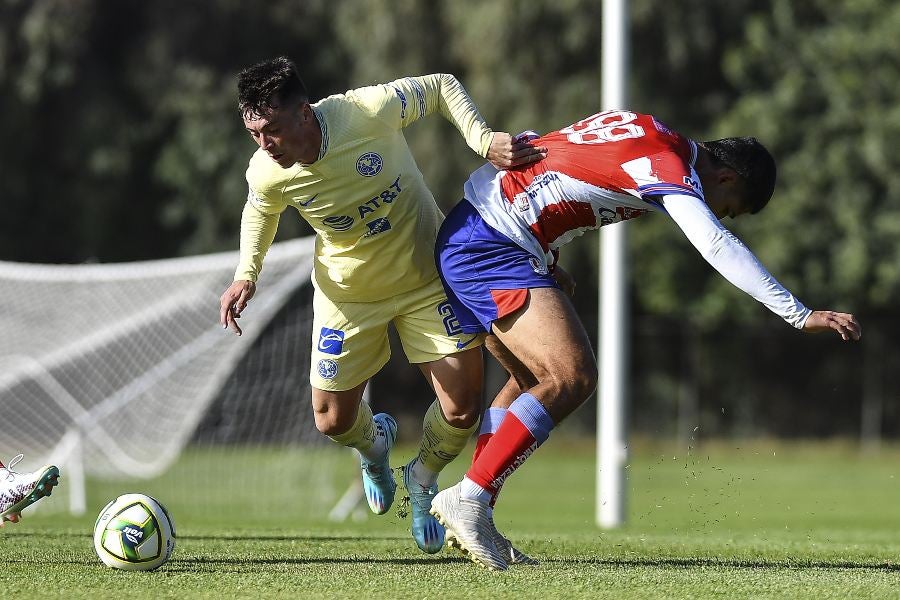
(135, 533)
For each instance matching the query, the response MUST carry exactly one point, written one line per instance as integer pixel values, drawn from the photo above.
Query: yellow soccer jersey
(375, 218)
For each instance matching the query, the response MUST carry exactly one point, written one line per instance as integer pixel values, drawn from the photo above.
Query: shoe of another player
(513, 555)
(18, 491)
(378, 480)
(428, 533)
(468, 524)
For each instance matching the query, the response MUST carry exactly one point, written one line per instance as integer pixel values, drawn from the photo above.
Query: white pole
(612, 392)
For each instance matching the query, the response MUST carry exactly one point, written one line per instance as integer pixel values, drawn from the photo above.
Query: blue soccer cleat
(428, 533)
(378, 480)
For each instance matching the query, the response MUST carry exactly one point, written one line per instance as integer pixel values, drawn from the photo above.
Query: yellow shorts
(350, 339)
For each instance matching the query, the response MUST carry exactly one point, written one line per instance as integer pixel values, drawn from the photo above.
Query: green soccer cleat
(428, 533)
(378, 480)
(18, 491)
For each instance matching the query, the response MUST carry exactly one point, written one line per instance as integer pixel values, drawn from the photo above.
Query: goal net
(122, 376)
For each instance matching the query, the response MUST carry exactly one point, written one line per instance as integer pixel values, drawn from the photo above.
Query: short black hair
(268, 84)
(747, 157)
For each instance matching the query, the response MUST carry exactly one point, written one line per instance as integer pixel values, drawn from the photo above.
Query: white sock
(422, 474)
(473, 491)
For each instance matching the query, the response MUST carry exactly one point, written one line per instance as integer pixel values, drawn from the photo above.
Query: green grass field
(726, 520)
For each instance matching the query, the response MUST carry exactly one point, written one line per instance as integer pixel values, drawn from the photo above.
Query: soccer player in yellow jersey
(344, 165)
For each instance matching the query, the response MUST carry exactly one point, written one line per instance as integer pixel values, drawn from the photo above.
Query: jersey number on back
(609, 126)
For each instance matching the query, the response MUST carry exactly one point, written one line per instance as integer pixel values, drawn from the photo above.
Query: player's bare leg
(345, 418)
(520, 379)
(447, 427)
(547, 338)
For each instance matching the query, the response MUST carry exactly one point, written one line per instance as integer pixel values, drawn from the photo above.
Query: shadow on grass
(229, 537)
(290, 538)
(735, 563)
(188, 565)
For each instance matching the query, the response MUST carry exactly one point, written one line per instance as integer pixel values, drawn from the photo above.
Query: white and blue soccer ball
(134, 532)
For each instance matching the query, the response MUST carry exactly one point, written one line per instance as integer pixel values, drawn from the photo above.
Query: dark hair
(752, 162)
(269, 84)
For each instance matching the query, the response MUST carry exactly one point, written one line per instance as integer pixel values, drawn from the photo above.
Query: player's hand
(506, 152)
(844, 324)
(12, 518)
(233, 303)
(565, 280)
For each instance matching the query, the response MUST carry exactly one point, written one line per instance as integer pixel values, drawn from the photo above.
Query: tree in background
(123, 140)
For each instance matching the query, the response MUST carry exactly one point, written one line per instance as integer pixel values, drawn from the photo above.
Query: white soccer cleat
(468, 525)
(513, 555)
(18, 491)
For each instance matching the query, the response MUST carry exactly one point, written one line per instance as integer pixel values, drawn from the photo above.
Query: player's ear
(727, 176)
(306, 112)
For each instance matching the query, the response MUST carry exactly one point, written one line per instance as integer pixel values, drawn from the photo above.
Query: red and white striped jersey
(606, 168)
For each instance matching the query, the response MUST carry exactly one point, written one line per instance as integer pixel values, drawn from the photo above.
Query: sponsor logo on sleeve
(327, 368)
(369, 164)
(402, 97)
(331, 341)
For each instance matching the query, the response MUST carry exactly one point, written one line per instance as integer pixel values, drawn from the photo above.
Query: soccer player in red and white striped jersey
(496, 254)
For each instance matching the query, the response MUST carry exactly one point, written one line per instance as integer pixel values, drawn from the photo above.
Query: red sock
(506, 450)
(482, 441)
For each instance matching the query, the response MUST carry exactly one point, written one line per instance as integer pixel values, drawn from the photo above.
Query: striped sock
(525, 427)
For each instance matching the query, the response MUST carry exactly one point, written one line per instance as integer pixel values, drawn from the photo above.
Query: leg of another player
(520, 379)
(346, 419)
(453, 418)
(546, 337)
(448, 425)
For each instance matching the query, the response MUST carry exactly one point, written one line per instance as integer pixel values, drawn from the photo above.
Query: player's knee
(585, 380)
(462, 417)
(576, 381)
(330, 422)
(461, 406)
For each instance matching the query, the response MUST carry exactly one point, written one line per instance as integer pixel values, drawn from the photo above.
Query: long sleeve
(257, 233)
(732, 259)
(407, 100)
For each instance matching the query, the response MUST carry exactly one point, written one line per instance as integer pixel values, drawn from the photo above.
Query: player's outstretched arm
(233, 303)
(844, 324)
(507, 151)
